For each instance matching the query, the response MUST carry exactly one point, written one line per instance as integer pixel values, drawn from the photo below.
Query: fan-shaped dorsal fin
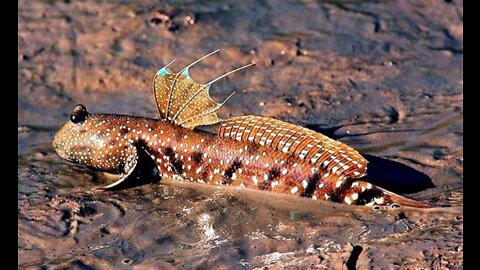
(183, 101)
(304, 143)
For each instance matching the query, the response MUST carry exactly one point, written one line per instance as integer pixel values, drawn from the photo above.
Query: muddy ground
(383, 76)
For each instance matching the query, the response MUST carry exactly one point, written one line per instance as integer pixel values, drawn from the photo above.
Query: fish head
(91, 140)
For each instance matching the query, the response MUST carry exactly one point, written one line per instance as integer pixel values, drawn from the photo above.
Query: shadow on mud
(395, 176)
(391, 175)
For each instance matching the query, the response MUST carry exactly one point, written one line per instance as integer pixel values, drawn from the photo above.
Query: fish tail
(364, 193)
(393, 198)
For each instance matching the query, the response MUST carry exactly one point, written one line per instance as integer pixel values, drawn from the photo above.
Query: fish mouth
(58, 149)
(60, 152)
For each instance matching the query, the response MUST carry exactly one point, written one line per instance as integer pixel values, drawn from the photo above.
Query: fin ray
(198, 60)
(230, 72)
(185, 102)
(301, 142)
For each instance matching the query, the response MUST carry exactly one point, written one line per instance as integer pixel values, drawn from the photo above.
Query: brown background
(383, 76)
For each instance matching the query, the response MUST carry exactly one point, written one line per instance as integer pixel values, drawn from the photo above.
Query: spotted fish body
(248, 152)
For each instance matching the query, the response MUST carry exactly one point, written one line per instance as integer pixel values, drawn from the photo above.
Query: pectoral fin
(130, 164)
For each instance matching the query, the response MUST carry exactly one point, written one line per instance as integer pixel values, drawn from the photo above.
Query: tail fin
(363, 193)
(392, 198)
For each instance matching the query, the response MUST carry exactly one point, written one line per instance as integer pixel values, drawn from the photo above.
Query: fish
(251, 152)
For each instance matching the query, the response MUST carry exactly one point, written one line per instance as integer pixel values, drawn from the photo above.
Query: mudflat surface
(383, 76)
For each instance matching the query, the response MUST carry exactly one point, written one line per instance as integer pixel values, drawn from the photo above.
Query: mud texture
(383, 76)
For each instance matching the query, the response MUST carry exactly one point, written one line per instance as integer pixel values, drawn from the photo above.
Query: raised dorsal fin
(183, 101)
(304, 143)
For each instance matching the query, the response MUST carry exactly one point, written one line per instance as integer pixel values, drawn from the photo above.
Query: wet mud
(385, 77)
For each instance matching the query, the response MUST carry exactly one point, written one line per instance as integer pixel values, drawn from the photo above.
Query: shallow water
(384, 77)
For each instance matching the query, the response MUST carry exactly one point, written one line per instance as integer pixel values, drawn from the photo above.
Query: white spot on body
(305, 183)
(379, 200)
(348, 200)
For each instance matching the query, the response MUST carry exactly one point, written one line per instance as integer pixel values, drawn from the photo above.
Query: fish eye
(394, 206)
(79, 114)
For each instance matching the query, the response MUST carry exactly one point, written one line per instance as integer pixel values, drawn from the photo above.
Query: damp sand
(384, 77)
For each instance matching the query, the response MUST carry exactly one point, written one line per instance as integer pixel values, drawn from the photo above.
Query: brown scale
(248, 152)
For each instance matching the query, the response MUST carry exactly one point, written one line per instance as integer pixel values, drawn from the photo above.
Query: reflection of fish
(249, 151)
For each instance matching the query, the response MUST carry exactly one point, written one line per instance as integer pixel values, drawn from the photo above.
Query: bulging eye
(79, 114)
